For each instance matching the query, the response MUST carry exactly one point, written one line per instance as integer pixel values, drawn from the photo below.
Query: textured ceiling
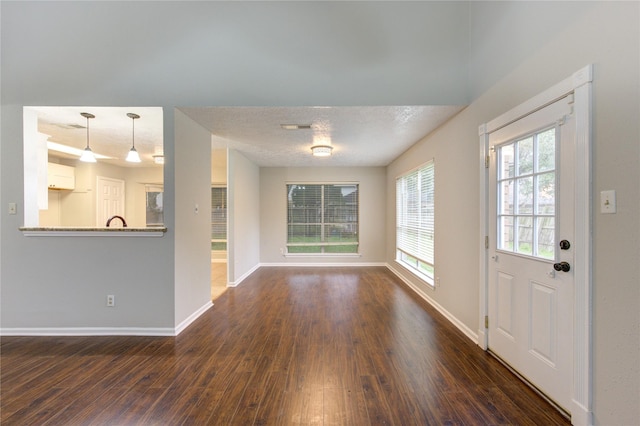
(110, 132)
(360, 136)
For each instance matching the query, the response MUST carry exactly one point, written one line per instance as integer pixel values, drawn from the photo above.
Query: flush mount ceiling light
(133, 156)
(321, 150)
(87, 155)
(158, 158)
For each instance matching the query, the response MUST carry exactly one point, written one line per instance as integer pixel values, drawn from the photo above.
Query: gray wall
(495, 54)
(193, 217)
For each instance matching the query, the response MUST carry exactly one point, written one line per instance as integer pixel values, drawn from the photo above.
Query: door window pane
(546, 150)
(525, 235)
(546, 192)
(527, 180)
(546, 237)
(525, 156)
(506, 233)
(507, 162)
(525, 195)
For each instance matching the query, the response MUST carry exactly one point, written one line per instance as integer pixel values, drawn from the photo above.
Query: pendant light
(87, 155)
(133, 156)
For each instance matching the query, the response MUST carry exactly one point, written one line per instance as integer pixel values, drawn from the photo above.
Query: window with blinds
(154, 206)
(322, 218)
(415, 221)
(218, 218)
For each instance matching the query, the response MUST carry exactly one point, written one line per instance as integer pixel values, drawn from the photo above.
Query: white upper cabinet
(60, 176)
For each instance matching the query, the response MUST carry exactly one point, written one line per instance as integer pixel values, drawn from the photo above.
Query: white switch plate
(13, 208)
(608, 201)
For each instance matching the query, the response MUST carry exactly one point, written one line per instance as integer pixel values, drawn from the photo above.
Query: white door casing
(110, 200)
(539, 293)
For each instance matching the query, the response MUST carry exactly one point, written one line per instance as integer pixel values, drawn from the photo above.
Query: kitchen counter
(92, 232)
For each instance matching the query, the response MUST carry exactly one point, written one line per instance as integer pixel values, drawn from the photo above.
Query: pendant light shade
(133, 156)
(87, 155)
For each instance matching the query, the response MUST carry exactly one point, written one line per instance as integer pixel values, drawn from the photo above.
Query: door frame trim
(579, 84)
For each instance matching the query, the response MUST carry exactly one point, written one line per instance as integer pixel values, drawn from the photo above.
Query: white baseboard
(323, 265)
(237, 282)
(194, 316)
(455, 321)
(105, 331)
(88, 331)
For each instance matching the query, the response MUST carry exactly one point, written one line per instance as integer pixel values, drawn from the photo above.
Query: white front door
(531, 229)
(110, 200)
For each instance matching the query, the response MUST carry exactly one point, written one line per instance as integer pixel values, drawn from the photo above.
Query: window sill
(428, 281)
(322, 255)
(93, 232)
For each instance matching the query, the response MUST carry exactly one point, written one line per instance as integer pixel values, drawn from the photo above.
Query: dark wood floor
(309, 346)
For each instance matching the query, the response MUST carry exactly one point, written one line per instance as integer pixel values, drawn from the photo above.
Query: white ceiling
(110, 132)
(360, 136)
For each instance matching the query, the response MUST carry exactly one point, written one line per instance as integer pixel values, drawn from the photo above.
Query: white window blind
(218, 218)
(415, 220)
(322, 218)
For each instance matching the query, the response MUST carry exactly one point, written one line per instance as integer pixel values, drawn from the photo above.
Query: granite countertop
(89, 231)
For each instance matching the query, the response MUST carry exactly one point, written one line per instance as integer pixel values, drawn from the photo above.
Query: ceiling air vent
(295, 126)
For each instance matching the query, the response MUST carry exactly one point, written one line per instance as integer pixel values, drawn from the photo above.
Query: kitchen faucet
(124, 222)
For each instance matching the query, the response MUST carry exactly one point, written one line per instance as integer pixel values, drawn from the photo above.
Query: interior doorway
(110, 200)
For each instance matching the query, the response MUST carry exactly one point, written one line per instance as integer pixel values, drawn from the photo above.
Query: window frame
(534, 174)
(323, 244)
(226, 213)
(154, 189)
(414, 260)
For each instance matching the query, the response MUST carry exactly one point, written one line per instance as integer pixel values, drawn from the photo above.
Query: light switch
(13, 208)
(608, 201)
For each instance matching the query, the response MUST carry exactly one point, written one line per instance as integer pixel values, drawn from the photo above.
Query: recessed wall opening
(64, 191)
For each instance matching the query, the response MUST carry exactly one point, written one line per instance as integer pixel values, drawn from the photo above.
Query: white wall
(273, 219)
(244, 210)
(193, 217)
(607, 35)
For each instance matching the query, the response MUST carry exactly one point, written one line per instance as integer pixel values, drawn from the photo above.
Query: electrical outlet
(111, 300)
(437, 281)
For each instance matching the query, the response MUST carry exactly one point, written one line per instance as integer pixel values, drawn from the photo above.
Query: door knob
(562, 267)
(565, 245)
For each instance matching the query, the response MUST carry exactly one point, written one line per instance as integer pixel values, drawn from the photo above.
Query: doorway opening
(219, 222)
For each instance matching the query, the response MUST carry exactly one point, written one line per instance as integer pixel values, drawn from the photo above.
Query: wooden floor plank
(303, 345)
